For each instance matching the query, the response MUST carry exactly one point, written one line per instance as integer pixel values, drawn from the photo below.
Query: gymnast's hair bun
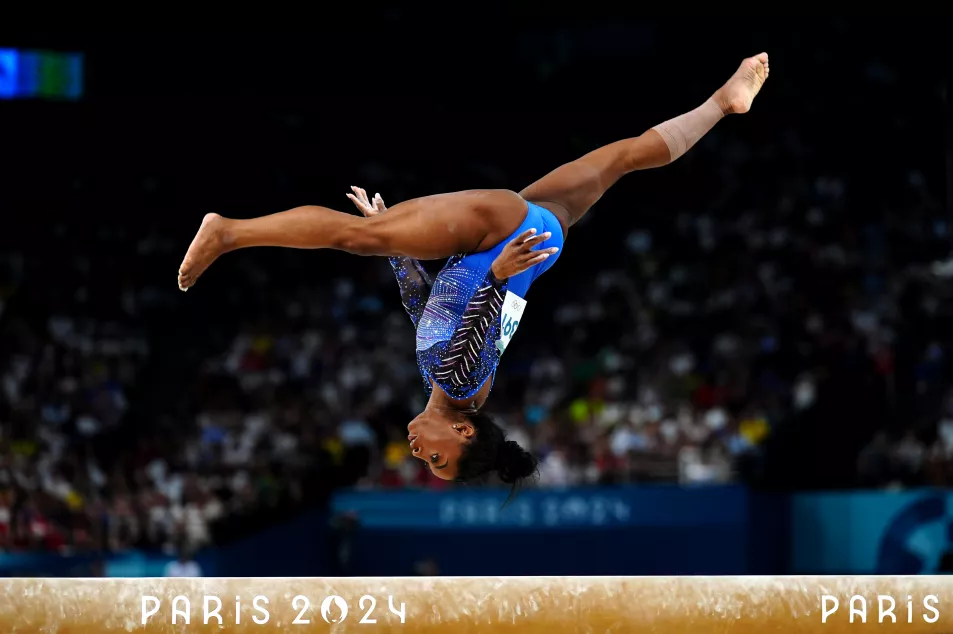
(513, 463)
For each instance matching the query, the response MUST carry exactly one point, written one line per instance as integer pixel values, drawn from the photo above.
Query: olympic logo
(334, 609)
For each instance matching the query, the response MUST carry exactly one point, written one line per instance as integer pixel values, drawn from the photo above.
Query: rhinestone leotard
(457, 315)
(457, 324)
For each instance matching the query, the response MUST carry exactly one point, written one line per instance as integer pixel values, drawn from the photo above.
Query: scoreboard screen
(28, 74)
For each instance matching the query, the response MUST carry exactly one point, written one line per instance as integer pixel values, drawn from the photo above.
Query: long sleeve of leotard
(471, 355)
(414, 286)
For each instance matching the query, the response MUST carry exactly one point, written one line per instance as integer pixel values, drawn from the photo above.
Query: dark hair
(489, 451)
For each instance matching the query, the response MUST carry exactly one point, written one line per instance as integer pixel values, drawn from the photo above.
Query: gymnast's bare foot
(736, 95)
(208, 244)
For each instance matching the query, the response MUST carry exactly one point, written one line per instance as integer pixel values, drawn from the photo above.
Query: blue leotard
(461, 321)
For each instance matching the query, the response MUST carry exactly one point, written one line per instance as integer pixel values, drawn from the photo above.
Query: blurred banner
(547, 509)
(131, 564)
(41, 564)
(651, 530)
(40, 75)
(904, 532)
(626, 530)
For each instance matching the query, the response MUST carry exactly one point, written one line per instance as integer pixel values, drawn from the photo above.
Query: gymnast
(498, 243)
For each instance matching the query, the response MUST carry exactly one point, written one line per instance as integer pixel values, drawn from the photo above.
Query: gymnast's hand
(369, 208)
(519, 255)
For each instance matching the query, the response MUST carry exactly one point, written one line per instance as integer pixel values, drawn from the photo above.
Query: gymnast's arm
(414, 284)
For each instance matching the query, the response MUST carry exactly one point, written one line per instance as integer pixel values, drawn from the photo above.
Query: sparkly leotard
(458, 315)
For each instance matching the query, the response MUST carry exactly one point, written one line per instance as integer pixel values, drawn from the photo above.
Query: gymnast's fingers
(536, 259)
(533, 256)
(367, 210)
(521, 238)
(354, 200)
(532, 242)
(379, 203)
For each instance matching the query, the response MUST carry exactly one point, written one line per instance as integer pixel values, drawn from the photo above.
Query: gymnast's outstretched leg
(426, 228)
(570, 190)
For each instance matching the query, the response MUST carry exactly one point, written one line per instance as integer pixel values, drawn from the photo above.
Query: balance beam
(470, 605)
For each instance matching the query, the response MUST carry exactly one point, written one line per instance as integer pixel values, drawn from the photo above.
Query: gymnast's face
(439, 442)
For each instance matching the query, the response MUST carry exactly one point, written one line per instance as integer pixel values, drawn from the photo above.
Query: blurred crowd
(676, 365)
(673, 350)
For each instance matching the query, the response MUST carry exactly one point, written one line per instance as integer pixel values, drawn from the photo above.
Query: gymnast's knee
(361, 238)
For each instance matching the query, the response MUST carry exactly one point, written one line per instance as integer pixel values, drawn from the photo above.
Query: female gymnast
(498, 243)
